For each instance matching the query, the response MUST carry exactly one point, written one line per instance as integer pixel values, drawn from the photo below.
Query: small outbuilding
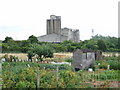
(84, 58)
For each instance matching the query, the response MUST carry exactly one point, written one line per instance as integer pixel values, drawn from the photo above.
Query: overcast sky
(21, 18)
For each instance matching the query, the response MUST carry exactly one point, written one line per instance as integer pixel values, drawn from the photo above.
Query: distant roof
(52, 38)
(52, 34)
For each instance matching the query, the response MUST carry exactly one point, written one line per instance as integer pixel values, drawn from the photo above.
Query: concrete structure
(82, 59)
(52, 38)
(54, 24)
(72, 34)
(57, 34)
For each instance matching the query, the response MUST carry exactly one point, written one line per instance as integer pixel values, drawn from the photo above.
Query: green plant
(25, 84)
(114, 64)
(6, 57)
(68, 60)
(103, 65)
(92, 66)
(43, 51)
(19, 75)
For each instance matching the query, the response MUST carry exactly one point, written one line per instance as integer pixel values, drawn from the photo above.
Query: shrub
(68, 60)
(25, 84)
(114, 64)
(103, 65)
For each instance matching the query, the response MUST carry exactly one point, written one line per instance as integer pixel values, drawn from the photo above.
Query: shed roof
(87, 50)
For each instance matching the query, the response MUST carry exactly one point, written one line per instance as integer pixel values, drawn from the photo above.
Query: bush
(114, 64)
(103, 65)
(25, 84)
(68, 60)
(43, 51)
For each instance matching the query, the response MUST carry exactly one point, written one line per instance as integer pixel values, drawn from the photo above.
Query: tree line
(98, 42)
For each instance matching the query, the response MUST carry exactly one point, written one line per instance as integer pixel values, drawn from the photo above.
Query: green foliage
(33, 39)
(25, 84)
(30, 54)
(90, 44)
(108, 75)
(43, 51)
(67, 79)
(26, 77)
(112, 61)
(100, 42)
(103, 65)
(101, 45)
(92, 66)
(59, 47)
(111, 43)
(17, 66)
(114, 64)
(68, 60)
(67, 42)
(8, 39)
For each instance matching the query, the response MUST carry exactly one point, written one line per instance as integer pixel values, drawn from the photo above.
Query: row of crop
(27, 77)
(66, 79)
(18, 66)
(103, 64)
(100, 75)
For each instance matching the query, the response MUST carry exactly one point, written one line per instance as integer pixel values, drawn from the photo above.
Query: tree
(8, 39)
(30, 54)
(24, 46)
(32, 39)
(43, 51)
(70, 48)
(118, 45)
(101, 45)
(59, 47)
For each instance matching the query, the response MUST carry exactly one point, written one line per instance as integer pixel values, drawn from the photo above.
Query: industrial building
(57, 34)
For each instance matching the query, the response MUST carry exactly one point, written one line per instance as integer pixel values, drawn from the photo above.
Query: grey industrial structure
(57, 34)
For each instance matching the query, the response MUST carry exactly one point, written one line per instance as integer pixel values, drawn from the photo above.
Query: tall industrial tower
(54, 24)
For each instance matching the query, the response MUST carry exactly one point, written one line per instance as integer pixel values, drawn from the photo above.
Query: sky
(21, 18)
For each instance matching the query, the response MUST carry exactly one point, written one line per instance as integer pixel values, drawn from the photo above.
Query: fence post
(38, 78)
(57, 74)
